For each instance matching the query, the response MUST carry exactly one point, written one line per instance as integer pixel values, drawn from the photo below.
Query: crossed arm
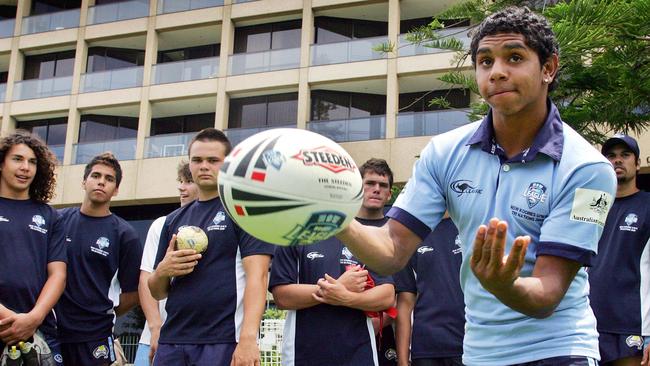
(387, 250)
(15, 327)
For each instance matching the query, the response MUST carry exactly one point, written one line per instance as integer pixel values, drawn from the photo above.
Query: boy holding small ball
(215, 300)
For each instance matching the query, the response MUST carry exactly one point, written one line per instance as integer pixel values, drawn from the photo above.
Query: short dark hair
(211, 134)
(183, 172)
(44, 183)
(377, 166)
(534, 27)
(109, 160)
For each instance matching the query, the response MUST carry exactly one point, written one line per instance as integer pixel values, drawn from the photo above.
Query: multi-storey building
(140, 77)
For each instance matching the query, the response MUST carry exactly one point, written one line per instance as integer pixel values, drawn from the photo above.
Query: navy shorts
(562, 361)
(616, 346)
(446, 361)
(93, 353)
(219, 354)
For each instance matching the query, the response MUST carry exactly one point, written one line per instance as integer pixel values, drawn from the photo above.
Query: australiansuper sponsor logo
(327, 158)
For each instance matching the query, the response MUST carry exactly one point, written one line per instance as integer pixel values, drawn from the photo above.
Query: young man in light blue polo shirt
(521, 183)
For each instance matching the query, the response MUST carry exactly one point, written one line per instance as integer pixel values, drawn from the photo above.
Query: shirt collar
(549, 140)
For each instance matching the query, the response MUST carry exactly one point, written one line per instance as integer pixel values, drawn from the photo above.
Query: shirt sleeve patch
(591, 206)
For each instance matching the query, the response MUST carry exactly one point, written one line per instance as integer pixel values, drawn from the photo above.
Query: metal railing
(430, 123)
(51, 21)
(42, 88)
(173, 6)
(114, 12)
(128, 77)
(3, 92)
(354, 129)
(174, 72)
(7, 28)
(123, 149)
(57, 150)
(350, 51)
(248, 63)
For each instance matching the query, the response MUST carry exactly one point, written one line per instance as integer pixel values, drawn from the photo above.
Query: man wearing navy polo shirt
(619, 278)
(323, 287)
(32, 251)
(431, 313)
(215, 300)
(522, 183)
(103, 268)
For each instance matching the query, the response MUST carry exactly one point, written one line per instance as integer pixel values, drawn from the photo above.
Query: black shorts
(616, 346)
(93, 353)
(446, 361)
(562, 361)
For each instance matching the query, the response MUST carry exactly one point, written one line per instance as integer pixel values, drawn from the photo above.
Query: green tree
(604, 80)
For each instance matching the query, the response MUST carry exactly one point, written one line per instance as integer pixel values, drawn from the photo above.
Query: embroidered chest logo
(3, 219)
(216, 222)
(630, 223)
(458, 243)
(37, 224)
(535, 194)
(100, 246)
(464, 186)
(314, 255)
(424, 249)
(349, 257)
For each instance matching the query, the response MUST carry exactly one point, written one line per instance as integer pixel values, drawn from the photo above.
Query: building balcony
(123, 149)
(162, 146)
(7, 28)
(57, 150)
(114, 12)
(3, 92)
(430, 123)
(42, 88)
(248, 63)
(129, 77)
(405, 48)
(351, 51)
(51, 21)
(173, 6)
(354, 129)
(174, 72)
(237, 135)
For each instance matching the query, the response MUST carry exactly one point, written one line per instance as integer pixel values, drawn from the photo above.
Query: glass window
(49, 65)
(189, 53)
(127, 128)
(103, 58)
(197, 122)
(419, 101)
(333, 105)
(51, 6)
(52, 130)
(282, 109)
(265, 37)
(7, 12)
(329, 29)
(253, 112)
(105, 128)
(262, 111)
(181, 124)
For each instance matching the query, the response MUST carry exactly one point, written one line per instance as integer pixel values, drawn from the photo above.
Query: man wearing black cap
(619, 278)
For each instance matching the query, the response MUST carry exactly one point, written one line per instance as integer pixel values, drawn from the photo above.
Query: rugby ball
(191, 237)
(290, 186)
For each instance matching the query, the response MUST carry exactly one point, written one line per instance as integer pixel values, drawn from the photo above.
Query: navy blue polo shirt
(31, 237)
(206, 305)
(324, 334)
(104, 256)
(439, 313)
(620, 277)
(558, 192)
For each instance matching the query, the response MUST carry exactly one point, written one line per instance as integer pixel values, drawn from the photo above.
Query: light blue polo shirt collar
(549, 139)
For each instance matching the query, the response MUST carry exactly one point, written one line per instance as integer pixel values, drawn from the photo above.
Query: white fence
(271, 341)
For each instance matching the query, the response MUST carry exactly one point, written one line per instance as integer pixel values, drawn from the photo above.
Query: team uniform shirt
(206, 305)
(148, 259)
(103, 260)
(558, 192)
(31, 237)
(620, 277)
(324, 334)
(439, 315)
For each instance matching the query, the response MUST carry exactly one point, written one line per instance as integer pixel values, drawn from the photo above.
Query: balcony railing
(123, 149)
(351, 51)
(7, 28)
(248, 63)
(167, 145)
(172, 6)
(356, 129)
(42, 88)
(114, 12)
(51, 21)
(237, 135)
(129, 77)
(407, 49)
(3, 92)
(430, 123)
(57, 150)
(174, 72)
